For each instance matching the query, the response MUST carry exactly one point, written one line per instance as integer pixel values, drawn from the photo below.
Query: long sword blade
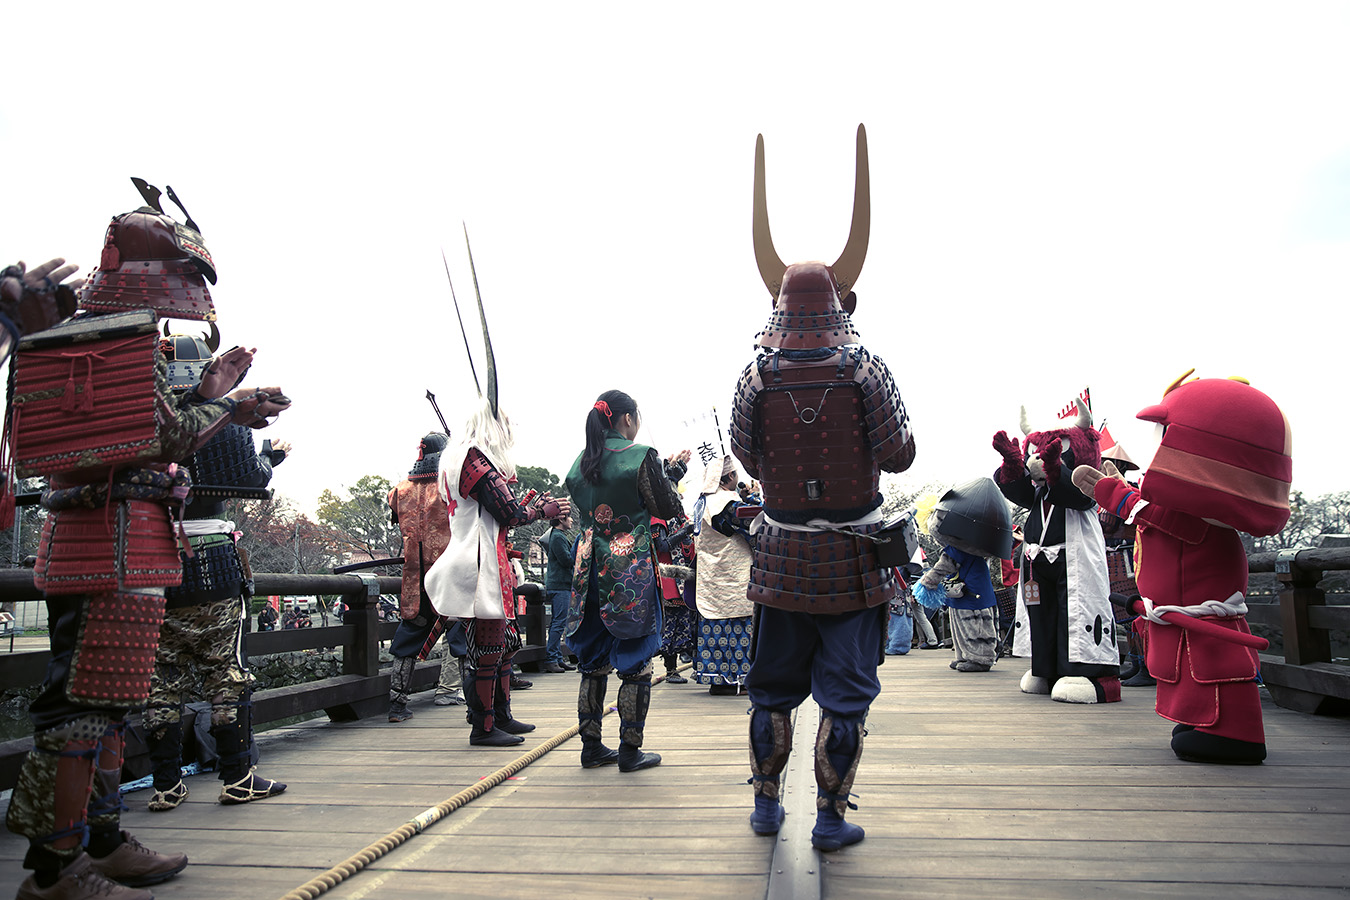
(465, 334)
(487, 339)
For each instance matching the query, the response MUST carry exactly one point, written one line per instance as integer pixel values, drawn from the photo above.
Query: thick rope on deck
(428, 817)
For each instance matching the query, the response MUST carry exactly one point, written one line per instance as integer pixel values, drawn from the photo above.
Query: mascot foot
(1035, 684)
(1179, 728)
(968, 666)
(1076, 689)
(1201, 746)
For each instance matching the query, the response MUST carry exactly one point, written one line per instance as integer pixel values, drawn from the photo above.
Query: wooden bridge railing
(1305, 678)
(360, 691)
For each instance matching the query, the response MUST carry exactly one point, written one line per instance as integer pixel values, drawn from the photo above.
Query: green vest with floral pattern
(615, 541)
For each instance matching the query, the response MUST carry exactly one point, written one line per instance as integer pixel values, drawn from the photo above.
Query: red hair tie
(604, 409)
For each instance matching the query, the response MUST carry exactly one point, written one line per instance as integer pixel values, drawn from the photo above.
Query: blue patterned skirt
(677, 629)
(723, 650)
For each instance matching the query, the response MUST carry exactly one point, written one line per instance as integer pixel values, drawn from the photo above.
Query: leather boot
(770, 744)
(501, 708)
(504, 721)
(635, 694)
(484, 732)
(136, 865)
(838, 749)
(590, 707)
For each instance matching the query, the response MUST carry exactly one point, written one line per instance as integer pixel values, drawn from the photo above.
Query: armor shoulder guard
(475, 466)
(744, 444)
(888, 426)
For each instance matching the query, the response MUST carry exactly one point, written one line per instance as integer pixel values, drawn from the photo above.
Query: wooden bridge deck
(967, 788)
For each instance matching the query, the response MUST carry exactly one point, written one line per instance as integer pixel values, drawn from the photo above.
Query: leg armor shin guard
(635, 696)
(400, 679)
(105, 805)
(166, 755)
(50, 802)
(838, 749)
(770, 744)
(233, 736)
(591, 704)
(590, 709)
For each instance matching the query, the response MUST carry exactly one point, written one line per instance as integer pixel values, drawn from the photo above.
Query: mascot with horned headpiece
(1064, 618)
(473, 579)
(93, 409)
(1223, 465)
(817, 418)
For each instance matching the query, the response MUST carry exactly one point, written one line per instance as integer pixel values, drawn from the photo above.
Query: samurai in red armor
(1223, 466)
(816, 419)
(92, 409)
(473, 579)
(419, 511)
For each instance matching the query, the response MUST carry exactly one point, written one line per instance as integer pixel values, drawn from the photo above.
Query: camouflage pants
(200, 654)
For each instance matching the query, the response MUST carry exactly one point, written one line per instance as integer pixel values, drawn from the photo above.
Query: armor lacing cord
(330, 879)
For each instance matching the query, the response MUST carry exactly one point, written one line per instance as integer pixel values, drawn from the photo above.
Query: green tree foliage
(360, 521)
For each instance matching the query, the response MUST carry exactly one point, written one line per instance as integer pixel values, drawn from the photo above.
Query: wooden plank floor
(967, 787)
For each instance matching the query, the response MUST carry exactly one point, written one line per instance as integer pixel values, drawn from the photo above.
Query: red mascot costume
(1223, 466)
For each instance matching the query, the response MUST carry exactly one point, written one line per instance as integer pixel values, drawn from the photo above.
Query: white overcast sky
(1064, 195)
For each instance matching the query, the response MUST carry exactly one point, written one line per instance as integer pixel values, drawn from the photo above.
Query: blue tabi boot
(838, 749)
(770, 744)
(831, 831)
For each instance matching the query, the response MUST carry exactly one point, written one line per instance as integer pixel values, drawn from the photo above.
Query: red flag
(1107, 441)
(1071, 410)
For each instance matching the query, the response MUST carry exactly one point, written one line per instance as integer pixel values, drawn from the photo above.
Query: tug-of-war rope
(419, 823)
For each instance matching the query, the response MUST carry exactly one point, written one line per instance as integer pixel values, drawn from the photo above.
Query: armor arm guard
(657, 493)
(674, 470)
(888, 428)
(491, 489)
(725, 521)
(742, 427)
(187, 420)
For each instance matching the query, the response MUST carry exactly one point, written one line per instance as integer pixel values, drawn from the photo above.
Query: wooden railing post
(1303, 644)
(362, 655)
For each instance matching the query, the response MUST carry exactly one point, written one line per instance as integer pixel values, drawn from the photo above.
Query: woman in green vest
(614, 622)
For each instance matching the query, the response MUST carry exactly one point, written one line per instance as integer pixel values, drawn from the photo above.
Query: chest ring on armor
(809, 411)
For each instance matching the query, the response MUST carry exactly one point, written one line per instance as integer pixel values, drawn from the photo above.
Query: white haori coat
(466, 582)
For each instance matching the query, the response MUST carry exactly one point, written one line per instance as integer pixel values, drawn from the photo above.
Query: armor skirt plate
(818, 571)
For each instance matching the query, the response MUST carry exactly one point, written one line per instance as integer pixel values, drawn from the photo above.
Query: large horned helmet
(812, 301)
(150, 261)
